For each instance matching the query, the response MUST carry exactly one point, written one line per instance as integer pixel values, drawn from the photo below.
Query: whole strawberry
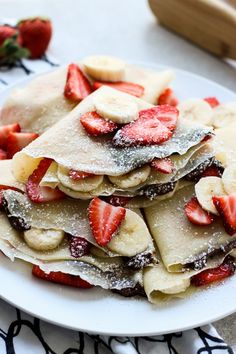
(36, 34)
(10, 45)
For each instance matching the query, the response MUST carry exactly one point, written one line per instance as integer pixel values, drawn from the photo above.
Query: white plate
(98, 311)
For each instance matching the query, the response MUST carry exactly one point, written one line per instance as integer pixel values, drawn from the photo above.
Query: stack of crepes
(106, 195)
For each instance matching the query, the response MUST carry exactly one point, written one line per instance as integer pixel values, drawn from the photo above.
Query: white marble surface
(125, 28)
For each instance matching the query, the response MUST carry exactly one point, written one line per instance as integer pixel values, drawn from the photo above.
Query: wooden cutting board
(210, 24)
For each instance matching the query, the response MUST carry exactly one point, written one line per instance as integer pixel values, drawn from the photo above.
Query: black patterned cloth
(23, 334)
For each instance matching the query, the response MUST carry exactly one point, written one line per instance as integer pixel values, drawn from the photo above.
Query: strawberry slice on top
(168, 97)
(196, 214)
(5, 130)
(164, 165)
(226, 207)
(17, 141)
(154, 126)
(61, 278)
(127, 87)
(40, 194)
(96, 125)
(77, 85)
(213, 101)
(209, 276)
(104, 220)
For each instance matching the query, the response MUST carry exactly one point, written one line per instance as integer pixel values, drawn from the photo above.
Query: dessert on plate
(121, 192)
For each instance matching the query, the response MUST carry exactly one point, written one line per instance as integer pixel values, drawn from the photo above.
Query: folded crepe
(183, 245)
(41, 103)
(119, 171)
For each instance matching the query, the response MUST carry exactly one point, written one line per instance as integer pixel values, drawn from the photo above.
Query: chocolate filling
(196, 174)
(154, 190)
(137, 290)
(17, 223)
(139, 261)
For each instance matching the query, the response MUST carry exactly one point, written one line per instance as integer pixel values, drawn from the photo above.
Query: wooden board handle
(209, 23)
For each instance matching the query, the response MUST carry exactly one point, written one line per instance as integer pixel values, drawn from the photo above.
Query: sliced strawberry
(61, 278)
(117, 200)
(78, 175)
(127, 87)
(168, 97)
(79, 246)
(5, 130)
(17, 141)
(207, 138)
(212, 171)
(213, 101)
(77, 85)
(95, 125)
(209, 276)
(163, 165)
(196, 214)
(148, 129)
(3, 155)
(226, 207)
(104, 220)
(39, 194)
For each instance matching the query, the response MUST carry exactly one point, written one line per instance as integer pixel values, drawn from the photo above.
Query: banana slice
(83, 185)
(196, 110)
(132, 237)
(105, 68)
(229, 179)
(224, 115)
(224, 144)
(43, 240)
(205, 189)
(131, 179)
(116, 106)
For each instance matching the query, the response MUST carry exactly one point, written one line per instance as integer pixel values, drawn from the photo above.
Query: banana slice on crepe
(196, 110)
(84, 185)
(224, 115)
(43, 240)
(132, 237)
(104, 68)
(229, 179)
(205, 189)
(131, 179)
(117, 107)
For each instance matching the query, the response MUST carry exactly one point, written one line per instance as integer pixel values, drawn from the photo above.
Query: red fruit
(226, 207)
(5, 130)
(95, 125)
(163, 165)
(104, 220)
(78, 175)
(3, 155)
(211, 171)
(196, 214)
(36, 34)
(77, 85)
(79, 246)
(209, 276)
(148, 128)
(61, 278)
(17, 141)
(127, 87)
(213, 101)
(168, 97)
(7, 32)
(117, 200)
(39, 194)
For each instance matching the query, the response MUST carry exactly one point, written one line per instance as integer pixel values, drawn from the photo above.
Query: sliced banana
(196, 110)
(43, 240)
(104, 68)
(50, 178)
(224, 144)
(116, 106)
(131, 179)
(229, 179)
(224, 115)
(205, 189)
(132, 237)
(84, 185)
